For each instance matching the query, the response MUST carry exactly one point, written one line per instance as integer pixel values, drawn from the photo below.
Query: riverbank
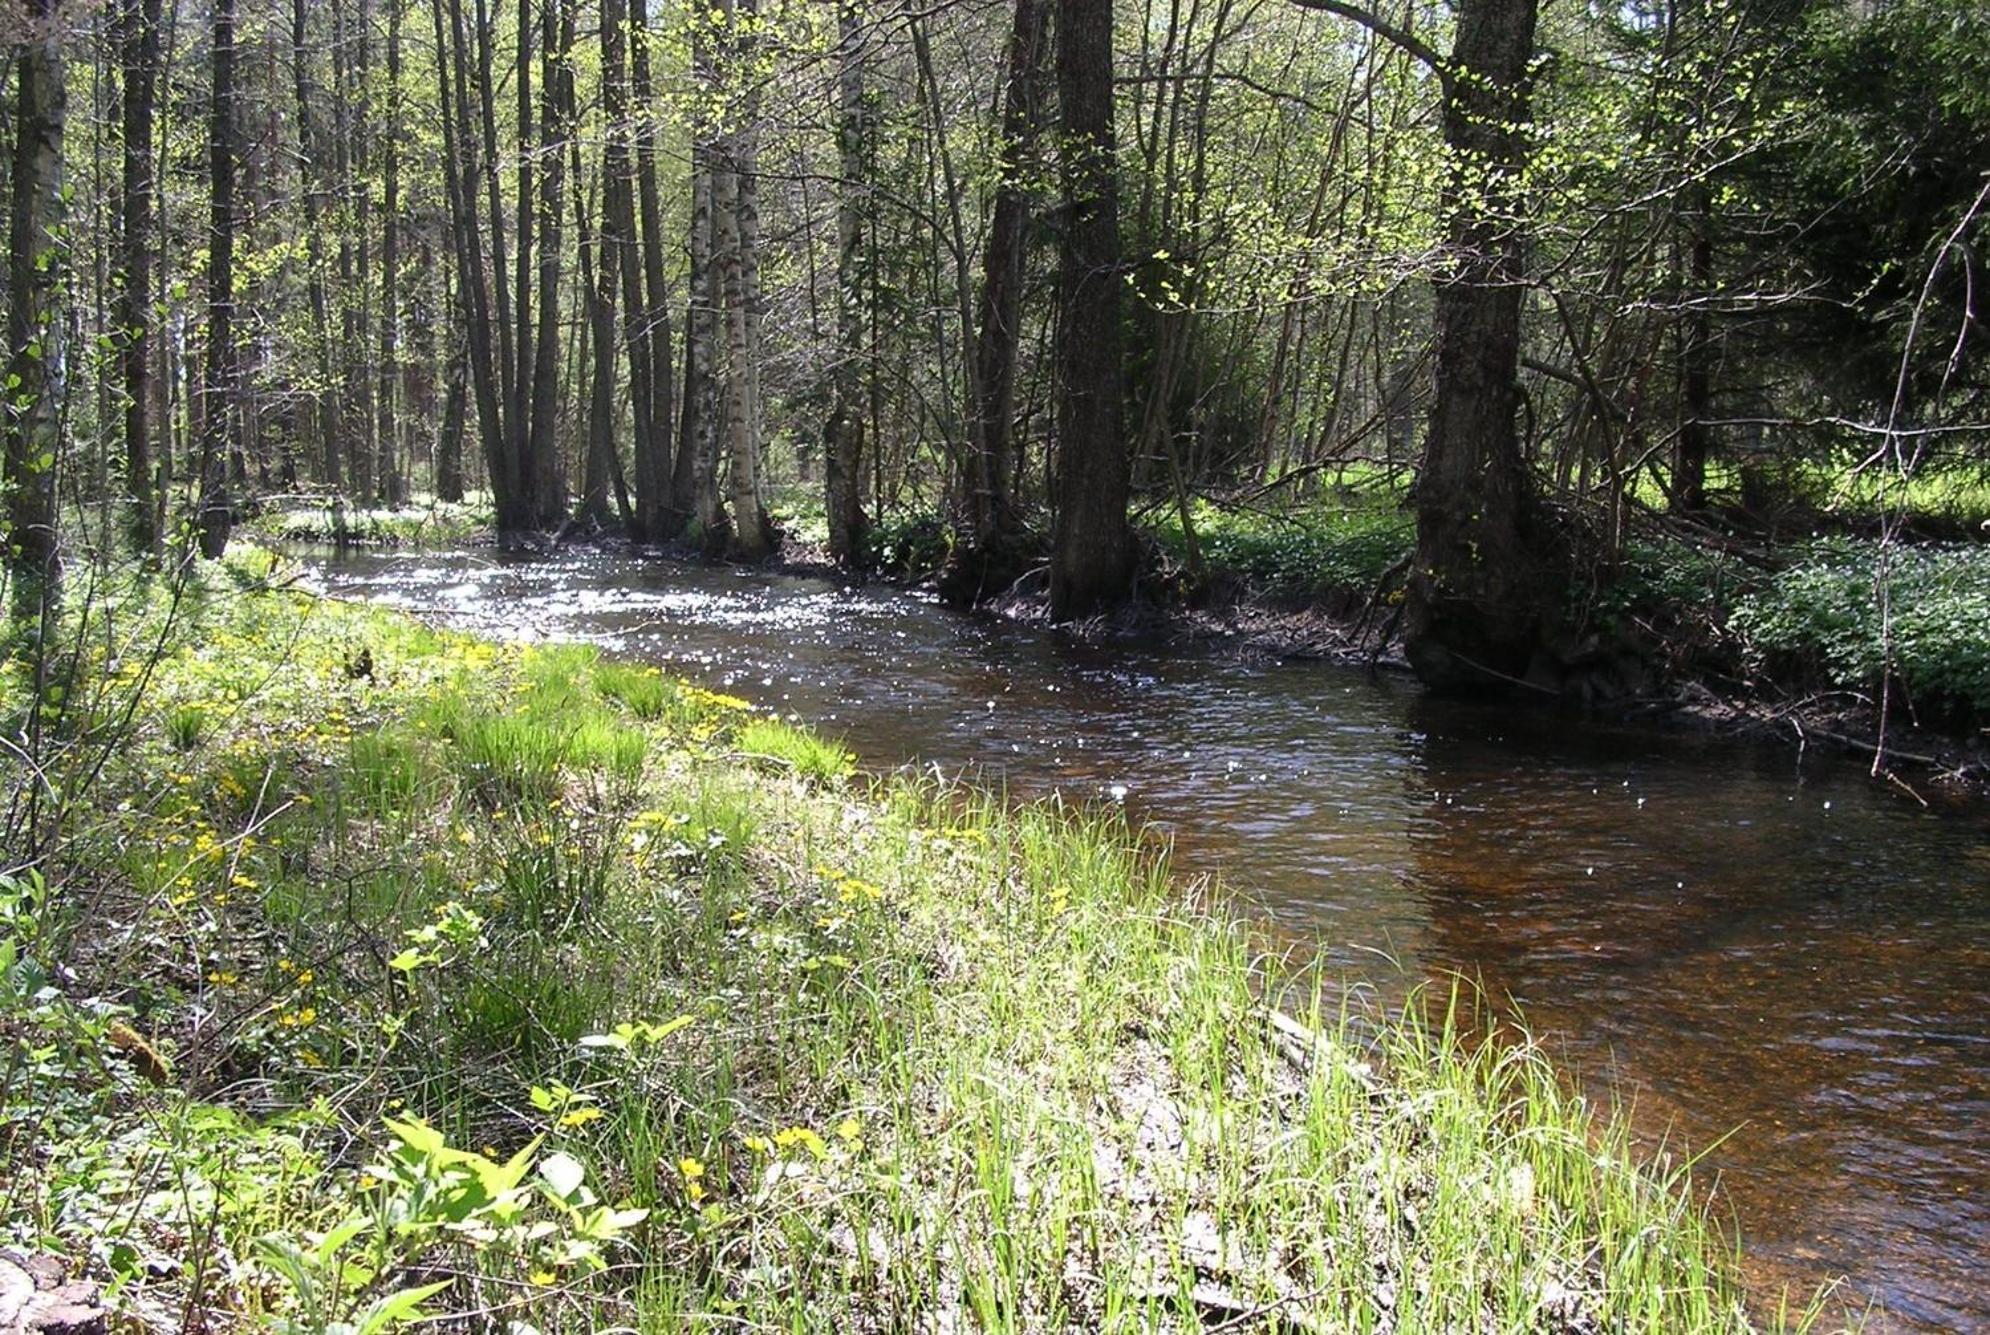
(373, 960)
(1784, 642)
(1784, 637)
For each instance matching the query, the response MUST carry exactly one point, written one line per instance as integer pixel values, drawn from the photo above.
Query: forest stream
(1773, 960)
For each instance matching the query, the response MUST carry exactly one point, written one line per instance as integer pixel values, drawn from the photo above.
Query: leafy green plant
(1826, 609)
(1336, 548)
(23, 931)
(526, 1213)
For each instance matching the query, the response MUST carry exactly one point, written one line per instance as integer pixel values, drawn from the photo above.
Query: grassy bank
(1764, 621)
(374, 968)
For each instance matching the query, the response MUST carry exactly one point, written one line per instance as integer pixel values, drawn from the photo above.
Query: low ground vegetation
(1831, 608)
(331, 520)
(360, 971)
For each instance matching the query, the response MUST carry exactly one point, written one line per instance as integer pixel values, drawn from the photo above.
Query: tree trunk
(355, 378)
(215, 513)
(139, 43)
(734, 229)
(987, 551)
(460, 172)
(392, 479)
(325, 398)
(649, 302)
(547, 479)
(598, 263)
(455, 404)
(1091, 562)
(750, 540)
(843, 434)
(1480, 590)
(36, 254)
(694, 482)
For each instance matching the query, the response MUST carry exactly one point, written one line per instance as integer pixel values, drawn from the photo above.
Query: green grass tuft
(799, 749)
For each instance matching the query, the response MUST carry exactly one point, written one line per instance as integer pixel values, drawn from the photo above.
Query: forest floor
(357, 973)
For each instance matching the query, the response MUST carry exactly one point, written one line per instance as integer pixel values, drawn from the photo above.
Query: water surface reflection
(1747, 947)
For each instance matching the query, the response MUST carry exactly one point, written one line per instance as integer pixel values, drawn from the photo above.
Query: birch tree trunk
(750, 541)
(735, 228)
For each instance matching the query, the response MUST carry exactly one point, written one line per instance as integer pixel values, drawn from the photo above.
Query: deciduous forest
(364, 967)
(1025, 283)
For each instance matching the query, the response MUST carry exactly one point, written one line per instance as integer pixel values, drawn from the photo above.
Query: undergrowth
(425, 522)
(1333, 551)
(373, 971)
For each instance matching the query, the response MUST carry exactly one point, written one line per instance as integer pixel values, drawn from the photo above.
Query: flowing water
(1772, 958)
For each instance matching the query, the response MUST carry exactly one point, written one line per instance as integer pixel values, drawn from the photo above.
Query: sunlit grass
(872, 1054)
(425, 521)
(801, 750)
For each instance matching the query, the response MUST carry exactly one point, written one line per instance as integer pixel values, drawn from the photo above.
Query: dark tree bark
(694, 480)
(139, 48)
(461, 173)
(546, 479)
(215, 512)
(598, 263)
(1481, 587)
(36, 254)
(455, 405)
(620, 266)
(599, 259)
(392, 479)
(326, 399)
(657, 515)
(1091, 562)
(843, 433)
(355, 423)
(506, 480)
(987, 557)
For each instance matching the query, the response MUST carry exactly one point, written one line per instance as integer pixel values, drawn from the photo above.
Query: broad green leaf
(563, 1175)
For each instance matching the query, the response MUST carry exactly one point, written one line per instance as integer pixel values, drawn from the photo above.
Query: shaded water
(1745, 944)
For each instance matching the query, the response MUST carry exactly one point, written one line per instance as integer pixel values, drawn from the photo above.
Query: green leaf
(498, 1178)
(398, 1307)
(417, 1135)
(563, 1175)
(335, 1238)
